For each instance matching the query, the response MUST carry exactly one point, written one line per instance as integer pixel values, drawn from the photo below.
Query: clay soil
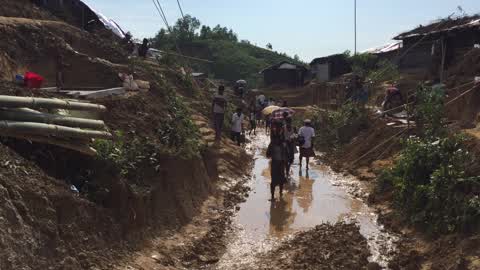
(339, 246)
(43, 225)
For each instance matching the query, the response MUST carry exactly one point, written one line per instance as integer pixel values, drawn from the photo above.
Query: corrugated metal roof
(386, 48)
(444, 25)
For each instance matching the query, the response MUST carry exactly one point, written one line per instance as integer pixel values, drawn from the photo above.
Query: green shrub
(429, 111)
(429, 179)
(177, 131)
(126, 156)
(177, 136)
(384, 71)
(431, 186)
(329, 123)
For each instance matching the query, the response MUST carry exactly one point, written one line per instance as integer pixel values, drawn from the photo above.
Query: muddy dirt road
(312, 198)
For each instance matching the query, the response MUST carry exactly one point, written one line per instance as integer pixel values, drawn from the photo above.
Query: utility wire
(180, 7)
(160, 13)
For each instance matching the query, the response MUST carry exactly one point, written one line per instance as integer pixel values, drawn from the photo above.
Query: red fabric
(33, 80)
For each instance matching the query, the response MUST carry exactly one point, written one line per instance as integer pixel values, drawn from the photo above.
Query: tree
(205, 32)
(269, 46)
(161, 40)
(296, 58)
(184, 29)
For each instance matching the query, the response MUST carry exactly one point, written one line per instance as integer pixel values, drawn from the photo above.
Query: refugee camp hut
(284, 74)
(330, 67)
(435, 47)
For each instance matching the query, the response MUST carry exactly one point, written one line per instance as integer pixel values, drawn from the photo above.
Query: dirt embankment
(339, 246)
(46, 47)
(366, 156)
(23, 9)
(46, 226)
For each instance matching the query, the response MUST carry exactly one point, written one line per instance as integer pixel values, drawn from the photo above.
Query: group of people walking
(284, 137)
(284, 140)
(219, 108)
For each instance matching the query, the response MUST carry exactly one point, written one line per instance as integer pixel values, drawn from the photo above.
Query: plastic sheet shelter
(81, 14)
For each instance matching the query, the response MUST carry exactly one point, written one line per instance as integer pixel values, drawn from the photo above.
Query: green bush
(429, 179)
(126, 156)
(329, 123)
(177, 136)
(431, 186)
(177, 131)
(384, 71)
(429, 111)
(362, 63)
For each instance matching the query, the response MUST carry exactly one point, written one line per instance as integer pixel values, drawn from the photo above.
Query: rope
(378, 146)
(461, 95)
(447, 90)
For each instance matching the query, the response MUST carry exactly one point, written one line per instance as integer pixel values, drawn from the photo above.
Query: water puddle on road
(311, 198)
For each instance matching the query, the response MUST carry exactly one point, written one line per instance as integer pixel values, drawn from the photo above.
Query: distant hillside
(232, 59)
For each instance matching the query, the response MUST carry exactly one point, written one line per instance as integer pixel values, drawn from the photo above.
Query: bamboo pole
(79, 147)
(50, 130)
(20, 102)
(24, 116)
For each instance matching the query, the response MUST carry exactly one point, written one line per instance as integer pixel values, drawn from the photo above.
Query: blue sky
(309, 28)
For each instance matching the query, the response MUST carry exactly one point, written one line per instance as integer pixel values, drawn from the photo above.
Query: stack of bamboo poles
(19, 118)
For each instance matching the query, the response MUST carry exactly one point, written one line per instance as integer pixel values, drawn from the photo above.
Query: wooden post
(442, 67)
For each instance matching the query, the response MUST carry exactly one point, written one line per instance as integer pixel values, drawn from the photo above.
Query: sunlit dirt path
(312, 197)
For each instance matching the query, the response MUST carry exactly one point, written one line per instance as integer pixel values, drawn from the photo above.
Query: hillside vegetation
(233, 59)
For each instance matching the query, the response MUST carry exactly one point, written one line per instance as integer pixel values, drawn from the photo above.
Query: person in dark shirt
(143, 50)
(278, 154)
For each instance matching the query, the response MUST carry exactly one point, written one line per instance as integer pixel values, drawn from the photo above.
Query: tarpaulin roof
(285, 65)
(109, 23)
(385, 48)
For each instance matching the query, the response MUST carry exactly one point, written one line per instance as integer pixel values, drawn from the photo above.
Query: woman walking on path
(277, 152)
(305, 138)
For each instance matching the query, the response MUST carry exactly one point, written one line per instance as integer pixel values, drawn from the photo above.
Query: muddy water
(311, 198)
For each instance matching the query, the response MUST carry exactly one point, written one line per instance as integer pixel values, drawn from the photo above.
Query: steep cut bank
(154, 176)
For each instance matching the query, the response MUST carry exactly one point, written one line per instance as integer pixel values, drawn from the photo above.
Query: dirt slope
(46, 46)
(43, 225)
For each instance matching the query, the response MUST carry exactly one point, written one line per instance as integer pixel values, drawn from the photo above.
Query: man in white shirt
(219, 106)
(306, 134)
(237, 126)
